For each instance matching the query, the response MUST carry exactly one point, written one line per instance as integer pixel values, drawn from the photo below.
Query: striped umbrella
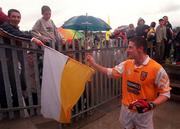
(69, 34)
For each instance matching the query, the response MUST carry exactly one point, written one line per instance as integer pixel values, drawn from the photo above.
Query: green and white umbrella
(86, 23)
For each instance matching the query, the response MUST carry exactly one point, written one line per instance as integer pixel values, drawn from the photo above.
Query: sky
(120, 12)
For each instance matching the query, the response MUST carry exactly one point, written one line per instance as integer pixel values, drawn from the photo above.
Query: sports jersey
(143, 82)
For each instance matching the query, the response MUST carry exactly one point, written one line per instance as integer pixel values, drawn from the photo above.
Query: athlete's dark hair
(139, 42)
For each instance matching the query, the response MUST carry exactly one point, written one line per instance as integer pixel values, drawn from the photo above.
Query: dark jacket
(15, 31)
(140, 30)
(168, 30)
(131, 34)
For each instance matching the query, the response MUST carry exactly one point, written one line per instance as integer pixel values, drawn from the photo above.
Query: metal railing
(21, 64)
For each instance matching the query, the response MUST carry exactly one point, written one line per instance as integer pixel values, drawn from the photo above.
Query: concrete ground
(167, 116)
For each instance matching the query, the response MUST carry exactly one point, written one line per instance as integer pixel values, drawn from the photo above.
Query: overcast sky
(121, 12)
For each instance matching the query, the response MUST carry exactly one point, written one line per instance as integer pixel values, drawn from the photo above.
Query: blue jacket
(15, 31)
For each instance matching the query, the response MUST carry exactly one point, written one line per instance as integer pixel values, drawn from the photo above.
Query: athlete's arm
(98, 67)
(162, 82)
(115, 72)
(160, 100)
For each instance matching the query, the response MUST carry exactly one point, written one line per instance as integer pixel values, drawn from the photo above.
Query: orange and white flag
(63, 83)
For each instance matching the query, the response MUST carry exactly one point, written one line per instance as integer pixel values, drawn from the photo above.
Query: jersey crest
(143, 75)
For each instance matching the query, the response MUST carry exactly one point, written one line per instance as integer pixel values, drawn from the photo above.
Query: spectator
(160, 40)
(169, 35)
(45, 28)
(3, 17)
(120, 33)
(131, 31)
(151, 38)
(151, 35)
(141, 29)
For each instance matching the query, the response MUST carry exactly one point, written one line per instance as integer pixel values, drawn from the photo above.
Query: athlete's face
(132, 50)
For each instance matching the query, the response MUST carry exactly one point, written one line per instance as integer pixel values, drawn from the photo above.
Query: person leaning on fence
(12, 27)
(46, 30)
(145, 85)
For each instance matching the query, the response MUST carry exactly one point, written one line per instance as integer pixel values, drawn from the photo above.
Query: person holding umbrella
(45, 29)
(145, 85)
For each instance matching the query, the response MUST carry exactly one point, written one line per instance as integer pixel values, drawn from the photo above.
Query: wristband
(152, 105)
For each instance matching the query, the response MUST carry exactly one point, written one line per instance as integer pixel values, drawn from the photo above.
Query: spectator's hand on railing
(37, 41)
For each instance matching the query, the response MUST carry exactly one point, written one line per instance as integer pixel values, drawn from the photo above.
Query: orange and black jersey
(144, 82)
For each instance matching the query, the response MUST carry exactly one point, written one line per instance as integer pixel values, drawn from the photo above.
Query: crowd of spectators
(163, 41)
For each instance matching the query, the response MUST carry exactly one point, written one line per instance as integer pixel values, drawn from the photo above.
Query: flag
(108, 33)
(63, 83)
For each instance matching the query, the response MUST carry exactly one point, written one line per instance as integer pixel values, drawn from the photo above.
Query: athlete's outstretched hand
(90, 59)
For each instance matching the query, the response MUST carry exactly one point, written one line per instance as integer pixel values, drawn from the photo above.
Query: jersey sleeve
(117, 71)
(162, 82)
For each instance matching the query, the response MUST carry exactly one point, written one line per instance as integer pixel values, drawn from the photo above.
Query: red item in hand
(141, 105)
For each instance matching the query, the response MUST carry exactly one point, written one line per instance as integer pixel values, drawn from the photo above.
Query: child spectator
(45, 28)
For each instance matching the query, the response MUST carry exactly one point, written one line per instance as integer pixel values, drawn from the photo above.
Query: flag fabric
(63, 83)
(108, 33)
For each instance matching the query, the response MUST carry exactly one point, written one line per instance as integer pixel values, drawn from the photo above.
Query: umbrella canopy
(122, 28)
(69, 34)
(86, 23)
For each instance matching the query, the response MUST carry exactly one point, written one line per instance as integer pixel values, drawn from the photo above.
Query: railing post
(60, 126)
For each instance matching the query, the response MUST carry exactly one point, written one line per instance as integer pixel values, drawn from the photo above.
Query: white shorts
(130, 119)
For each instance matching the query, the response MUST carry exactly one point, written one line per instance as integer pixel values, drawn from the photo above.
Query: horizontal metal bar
(18, 108)
(21, 48)
(95, 106)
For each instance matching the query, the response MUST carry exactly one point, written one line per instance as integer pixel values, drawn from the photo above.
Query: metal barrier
(21, 73)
